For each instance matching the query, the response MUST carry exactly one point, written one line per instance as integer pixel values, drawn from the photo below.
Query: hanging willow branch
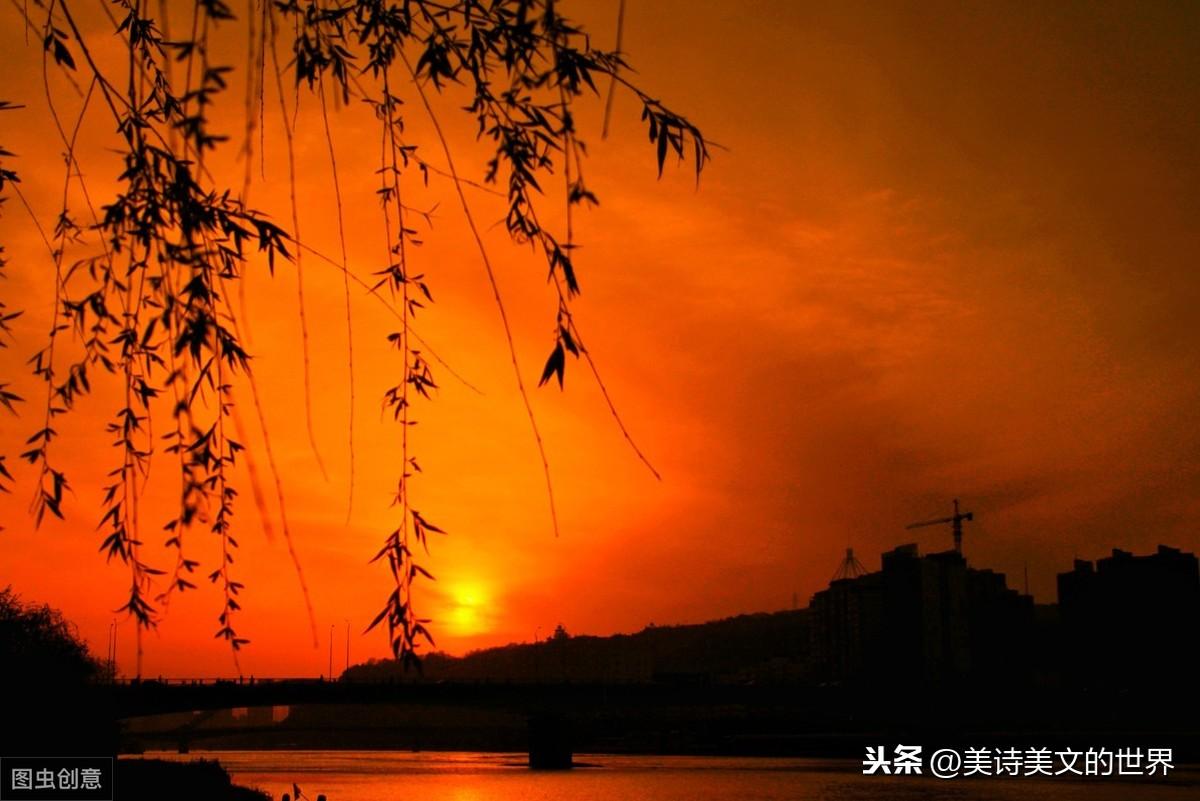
(152, 312)
(8, 398)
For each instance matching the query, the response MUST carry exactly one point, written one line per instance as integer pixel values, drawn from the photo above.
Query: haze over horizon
(947, 250)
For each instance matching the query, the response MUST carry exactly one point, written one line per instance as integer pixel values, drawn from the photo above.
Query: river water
(430, 776)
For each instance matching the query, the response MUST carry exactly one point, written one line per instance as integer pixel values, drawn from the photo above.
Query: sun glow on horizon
(467, 614)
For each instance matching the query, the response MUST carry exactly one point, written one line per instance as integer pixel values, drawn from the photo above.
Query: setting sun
(467, 613)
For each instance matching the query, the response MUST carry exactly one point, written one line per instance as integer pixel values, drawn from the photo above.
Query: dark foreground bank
(160, 780)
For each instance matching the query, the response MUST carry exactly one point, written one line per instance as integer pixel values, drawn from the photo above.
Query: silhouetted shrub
(40, 646)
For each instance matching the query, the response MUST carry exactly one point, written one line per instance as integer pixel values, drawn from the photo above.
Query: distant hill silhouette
(758, 648)
(930, 620)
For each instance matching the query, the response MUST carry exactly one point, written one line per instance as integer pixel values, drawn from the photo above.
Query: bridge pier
(550, 742)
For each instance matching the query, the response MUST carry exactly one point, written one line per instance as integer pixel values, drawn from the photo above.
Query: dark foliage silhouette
(39, 646)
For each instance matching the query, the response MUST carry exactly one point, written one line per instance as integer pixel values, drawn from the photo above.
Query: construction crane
(956, 521)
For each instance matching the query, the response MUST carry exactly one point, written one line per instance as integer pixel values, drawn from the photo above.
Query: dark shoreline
(192, 780)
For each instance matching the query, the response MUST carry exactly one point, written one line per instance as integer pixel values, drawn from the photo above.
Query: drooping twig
(495, 287)
(337, 195)
(291, 156)
(612, 81)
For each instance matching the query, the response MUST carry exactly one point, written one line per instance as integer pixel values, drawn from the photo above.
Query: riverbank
(161, 780)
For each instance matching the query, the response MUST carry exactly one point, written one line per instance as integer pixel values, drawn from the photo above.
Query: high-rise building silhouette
(921, 619)
(1131, 621)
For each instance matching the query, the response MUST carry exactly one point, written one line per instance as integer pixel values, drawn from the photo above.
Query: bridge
(550, 713)
(134, 698)
(553, 720)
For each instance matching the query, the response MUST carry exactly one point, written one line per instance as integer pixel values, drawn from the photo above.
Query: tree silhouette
(149, 305)
(38, 646)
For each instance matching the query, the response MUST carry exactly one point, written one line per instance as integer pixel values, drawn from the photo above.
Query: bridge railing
(209, 681)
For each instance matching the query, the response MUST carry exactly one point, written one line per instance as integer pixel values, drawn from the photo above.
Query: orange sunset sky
(949, 250)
